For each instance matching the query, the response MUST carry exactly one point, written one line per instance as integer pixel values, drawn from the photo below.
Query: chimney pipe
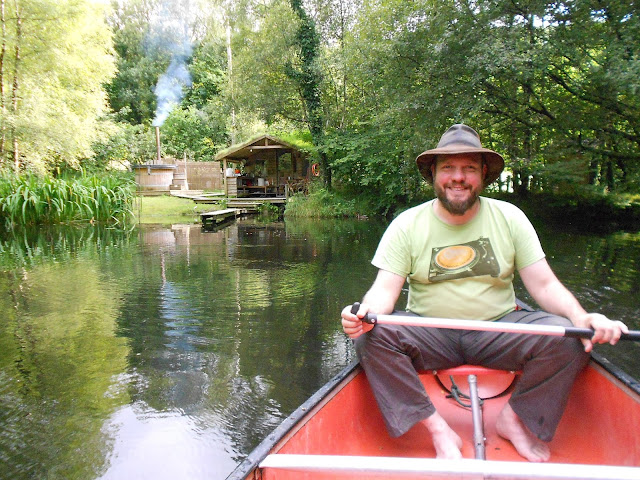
(158, 159)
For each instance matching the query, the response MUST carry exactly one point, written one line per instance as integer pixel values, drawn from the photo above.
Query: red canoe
(339, 433)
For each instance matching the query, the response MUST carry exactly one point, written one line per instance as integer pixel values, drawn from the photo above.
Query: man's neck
(447, 217)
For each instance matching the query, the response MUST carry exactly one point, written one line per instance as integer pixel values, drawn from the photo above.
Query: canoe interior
(600, 426)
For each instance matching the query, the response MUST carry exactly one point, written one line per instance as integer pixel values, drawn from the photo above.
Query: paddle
(486, 326)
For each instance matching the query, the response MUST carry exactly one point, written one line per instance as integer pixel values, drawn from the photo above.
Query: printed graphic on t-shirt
(470, 259)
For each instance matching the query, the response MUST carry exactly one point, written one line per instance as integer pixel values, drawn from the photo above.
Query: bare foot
(445, 440)
(510, 427)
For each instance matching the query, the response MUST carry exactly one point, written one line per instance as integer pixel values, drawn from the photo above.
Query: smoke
(170, 87)
(171, 34)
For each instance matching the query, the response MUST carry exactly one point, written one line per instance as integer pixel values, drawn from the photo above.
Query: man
(459, 253)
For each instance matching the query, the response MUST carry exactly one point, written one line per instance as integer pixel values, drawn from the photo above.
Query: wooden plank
(225, 212)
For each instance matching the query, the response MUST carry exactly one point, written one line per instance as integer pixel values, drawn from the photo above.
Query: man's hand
(381, 298)
(553, 297)
(352, 324)
(606, 331)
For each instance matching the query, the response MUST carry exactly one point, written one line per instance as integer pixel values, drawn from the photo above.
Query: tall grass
(29, 199)
(320, 203)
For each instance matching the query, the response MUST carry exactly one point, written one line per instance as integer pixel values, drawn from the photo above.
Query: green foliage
(194, 133)
(371, 163)
(127, 145)
(261, 85)
(142, 38)
(301, 139)
(207, 68)
(29, 199)
(56, 57)
(320, 203)
(269, 211)
(552, 86)
(307, 76)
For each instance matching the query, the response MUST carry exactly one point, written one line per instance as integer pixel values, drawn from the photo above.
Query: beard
(457, 207)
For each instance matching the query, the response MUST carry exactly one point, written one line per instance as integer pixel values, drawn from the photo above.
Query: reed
(29, 199)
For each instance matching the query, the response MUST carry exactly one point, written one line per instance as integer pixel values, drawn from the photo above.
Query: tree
(307, 76)
(143, 43)
(57, 55)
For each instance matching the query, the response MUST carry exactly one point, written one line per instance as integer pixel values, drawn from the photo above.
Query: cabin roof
(243, 151)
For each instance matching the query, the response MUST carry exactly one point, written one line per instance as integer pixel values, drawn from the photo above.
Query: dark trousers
(391, 355)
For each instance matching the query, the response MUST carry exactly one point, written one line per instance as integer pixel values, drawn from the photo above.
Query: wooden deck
(235, 206)
(217, 217)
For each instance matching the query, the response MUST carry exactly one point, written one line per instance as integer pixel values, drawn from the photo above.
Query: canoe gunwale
(617, 373)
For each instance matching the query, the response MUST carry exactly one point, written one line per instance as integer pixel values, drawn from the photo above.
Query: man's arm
(553, 297)
(381, 298)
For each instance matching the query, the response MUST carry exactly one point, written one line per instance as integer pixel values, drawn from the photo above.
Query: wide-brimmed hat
(461, 138)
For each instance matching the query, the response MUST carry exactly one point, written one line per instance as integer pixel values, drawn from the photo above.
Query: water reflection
(152, 444)
(235, 328)
(167, 352)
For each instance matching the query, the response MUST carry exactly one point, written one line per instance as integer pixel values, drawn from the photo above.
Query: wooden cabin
(264, 166)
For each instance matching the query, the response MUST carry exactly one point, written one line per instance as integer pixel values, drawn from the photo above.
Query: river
(167, 352)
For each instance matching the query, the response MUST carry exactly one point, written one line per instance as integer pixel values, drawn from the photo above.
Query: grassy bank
(592, 213)
(168, 209)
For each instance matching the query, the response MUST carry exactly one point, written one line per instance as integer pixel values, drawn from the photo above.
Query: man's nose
(458, 175)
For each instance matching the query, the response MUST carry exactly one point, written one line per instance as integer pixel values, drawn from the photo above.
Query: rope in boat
(459, 396)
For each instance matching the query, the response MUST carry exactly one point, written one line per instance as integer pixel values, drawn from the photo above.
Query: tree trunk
(14, 93)
(3, 110)
(230, 75)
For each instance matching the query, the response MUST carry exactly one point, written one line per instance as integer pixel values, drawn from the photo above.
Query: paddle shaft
(485, 326)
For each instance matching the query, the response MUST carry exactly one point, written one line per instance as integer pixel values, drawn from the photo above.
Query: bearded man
(459, 254)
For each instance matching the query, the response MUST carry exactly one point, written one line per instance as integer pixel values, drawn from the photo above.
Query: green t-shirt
(460, 271)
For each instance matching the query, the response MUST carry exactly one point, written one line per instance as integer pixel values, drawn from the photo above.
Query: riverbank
(597, 213)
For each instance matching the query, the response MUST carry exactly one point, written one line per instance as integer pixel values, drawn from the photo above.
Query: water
(170, 352)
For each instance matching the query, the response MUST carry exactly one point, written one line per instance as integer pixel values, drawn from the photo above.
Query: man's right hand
(352, 324)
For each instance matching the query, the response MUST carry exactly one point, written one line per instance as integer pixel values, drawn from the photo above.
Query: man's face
(458, 181)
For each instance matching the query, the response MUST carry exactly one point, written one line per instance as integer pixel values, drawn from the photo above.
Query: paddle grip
(370, 318)
(633, 335)
(577, 332)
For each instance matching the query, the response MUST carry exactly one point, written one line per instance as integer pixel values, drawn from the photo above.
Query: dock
(240, 201)
(217, 217)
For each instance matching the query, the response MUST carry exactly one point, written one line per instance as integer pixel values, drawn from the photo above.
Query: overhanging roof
(245, 150)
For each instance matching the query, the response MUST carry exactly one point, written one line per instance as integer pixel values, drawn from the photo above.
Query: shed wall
(204, 176)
